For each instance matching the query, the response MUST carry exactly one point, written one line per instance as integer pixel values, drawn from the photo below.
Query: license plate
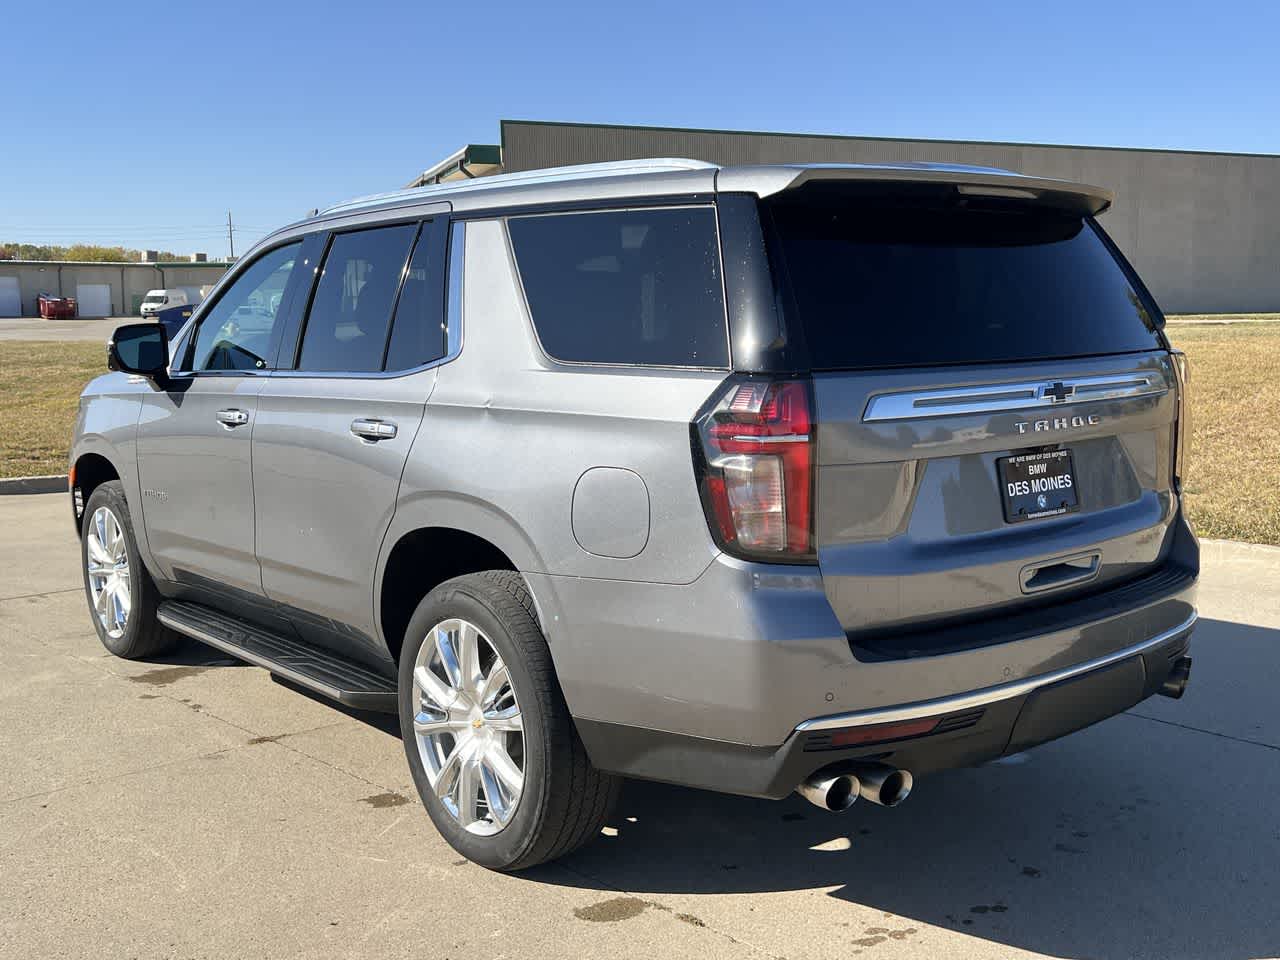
(1036, 485)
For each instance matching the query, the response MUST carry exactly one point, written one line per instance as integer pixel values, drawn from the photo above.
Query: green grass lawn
(1235, 419)
(1232, 489)
(40, 384)
(1218, 318)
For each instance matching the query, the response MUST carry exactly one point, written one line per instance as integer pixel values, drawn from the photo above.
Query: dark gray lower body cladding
(1003, 727)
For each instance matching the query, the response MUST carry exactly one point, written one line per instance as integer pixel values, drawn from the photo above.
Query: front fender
(107, 427)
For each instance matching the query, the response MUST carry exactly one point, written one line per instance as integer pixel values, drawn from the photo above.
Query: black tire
(143, 636)
(564, 800)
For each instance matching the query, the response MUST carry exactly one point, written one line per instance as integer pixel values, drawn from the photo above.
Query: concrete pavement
(196, 808)
(29, 328)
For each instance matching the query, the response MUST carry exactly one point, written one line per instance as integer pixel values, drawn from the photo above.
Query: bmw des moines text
(758, 479)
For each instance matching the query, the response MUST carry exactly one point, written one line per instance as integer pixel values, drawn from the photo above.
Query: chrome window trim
(199, 374)
(989, 695)
(1000, 397)
(453, 324)
(454, 288)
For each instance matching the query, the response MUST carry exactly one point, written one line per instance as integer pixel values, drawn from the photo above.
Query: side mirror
(139, 348)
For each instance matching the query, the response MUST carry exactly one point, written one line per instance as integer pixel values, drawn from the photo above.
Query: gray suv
(756, 479)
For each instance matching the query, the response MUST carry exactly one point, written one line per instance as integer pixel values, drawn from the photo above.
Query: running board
(315, 668)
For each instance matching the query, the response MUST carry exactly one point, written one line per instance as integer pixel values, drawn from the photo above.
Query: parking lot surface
(197, 808)
(29, 328)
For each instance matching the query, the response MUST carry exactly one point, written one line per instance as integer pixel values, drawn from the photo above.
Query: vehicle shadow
(388, 723)
(1152, 834)
(188, 652)
(1135, 838)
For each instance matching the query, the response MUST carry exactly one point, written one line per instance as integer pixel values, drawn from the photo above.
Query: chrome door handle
(232, 418)
(373, 429)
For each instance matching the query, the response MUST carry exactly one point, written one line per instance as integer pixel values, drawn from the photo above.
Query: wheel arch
(427, 544)
(95, 459)
(89, 471)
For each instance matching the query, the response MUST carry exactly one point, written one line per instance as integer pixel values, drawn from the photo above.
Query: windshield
(879, 284)
(154, 298)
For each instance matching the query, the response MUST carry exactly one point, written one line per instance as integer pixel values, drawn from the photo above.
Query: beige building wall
(1203, 229)
(128, 282)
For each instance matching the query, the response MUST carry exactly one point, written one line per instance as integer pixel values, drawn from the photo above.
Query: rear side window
(346, 327)
(878, 285)
(626, 286)
(418, 334)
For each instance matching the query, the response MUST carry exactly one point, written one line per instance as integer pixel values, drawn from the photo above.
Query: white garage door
(10, 297)
(93, 299)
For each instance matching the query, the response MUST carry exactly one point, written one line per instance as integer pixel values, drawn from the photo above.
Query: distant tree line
(80, 251)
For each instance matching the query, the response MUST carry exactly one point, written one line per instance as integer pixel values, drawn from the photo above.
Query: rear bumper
(726, 682)
(972, 728)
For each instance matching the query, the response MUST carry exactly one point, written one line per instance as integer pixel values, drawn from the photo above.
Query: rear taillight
(754, 448)
(1182, 437)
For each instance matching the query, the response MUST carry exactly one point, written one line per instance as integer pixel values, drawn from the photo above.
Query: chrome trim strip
(453, 304)
(780, 438)
(996, 398)
(240, 653)
(988, 695)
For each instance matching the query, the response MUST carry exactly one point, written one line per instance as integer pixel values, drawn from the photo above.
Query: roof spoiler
(766, 181)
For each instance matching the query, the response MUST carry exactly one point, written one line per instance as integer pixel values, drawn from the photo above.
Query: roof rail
(582, 171)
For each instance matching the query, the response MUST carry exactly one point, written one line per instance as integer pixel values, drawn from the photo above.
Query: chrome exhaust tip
(882, 784)
(834, 793)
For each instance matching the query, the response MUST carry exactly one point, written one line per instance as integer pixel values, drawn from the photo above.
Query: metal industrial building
(101, 289)
(1203, 229)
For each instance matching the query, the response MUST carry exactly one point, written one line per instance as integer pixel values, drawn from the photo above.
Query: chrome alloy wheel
(108, 564)
(468, 727)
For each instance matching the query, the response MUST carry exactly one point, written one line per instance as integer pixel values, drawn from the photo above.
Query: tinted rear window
(625, 286)
(877, 285)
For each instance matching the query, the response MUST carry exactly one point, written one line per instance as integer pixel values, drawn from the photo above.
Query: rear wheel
(490, 742)
(122, 597)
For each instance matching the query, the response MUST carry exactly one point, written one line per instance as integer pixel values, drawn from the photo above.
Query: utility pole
(231, 240)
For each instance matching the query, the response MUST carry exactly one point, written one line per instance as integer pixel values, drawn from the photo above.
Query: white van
(157, 300)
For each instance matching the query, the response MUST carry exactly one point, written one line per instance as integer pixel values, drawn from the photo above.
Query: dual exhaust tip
(877, 782)
(889, 786)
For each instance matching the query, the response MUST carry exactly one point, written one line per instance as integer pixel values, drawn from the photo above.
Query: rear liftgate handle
(373, 430)
(1061, 572)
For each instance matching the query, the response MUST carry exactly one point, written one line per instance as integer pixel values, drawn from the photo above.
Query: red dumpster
(56, 308)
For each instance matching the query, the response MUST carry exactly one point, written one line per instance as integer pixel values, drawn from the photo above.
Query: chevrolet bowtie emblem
(1058, 392)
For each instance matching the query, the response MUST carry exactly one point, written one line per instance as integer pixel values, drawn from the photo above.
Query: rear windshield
(883, 285)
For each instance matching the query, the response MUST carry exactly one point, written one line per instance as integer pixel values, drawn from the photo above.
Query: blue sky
(169, 115)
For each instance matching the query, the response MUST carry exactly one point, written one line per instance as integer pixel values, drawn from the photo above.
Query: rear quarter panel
(508, 435)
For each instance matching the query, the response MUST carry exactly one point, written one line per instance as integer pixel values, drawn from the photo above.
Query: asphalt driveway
(197, 808)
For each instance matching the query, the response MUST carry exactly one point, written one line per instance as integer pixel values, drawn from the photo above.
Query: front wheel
(492, 748)
(122, 597)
